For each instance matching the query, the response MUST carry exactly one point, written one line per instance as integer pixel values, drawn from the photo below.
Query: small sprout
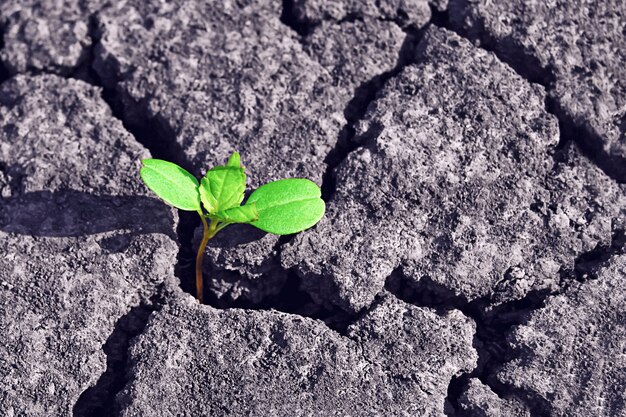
(280, 207)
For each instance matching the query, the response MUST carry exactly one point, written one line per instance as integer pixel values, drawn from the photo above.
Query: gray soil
(472, 259)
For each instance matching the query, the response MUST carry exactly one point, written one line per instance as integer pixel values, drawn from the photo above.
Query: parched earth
(472, 259)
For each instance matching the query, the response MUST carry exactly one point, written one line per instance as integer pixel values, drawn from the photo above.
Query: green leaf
(243, 214)
(172, 183)
(208, 200)
(287, 206)
(234, 161)
(222, 188)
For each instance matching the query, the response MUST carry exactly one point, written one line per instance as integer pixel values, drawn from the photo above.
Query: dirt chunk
(478, 400)
(48, 36)
(396, 360)
(578, 48)
(82, 241)
(457, 182)
(568, 359)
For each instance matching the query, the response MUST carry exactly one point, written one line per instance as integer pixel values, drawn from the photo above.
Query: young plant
(280, 207)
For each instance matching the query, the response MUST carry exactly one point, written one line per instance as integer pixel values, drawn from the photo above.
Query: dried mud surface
(472, 260)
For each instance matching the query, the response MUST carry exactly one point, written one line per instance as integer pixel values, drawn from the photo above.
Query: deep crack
(99, 399)
(493, 323)
(184, 269)
(529, 68)
(437, 17)
(289, 18)
(356, 108)
(363, 95)
(588, 141)
(290, 299)
(4, 73)
(525, 66)
(588, 263)
(156, 136)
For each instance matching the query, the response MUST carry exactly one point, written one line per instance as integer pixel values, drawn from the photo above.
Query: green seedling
(280, 207)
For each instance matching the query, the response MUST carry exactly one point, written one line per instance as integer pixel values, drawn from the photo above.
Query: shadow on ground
(72, 213)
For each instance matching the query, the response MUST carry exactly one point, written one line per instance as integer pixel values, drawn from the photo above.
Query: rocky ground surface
(472, 260)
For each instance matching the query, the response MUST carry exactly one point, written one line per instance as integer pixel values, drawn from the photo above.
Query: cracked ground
(472, 259)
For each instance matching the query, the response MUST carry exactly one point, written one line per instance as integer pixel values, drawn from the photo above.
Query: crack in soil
(525, 66)
(529, 68)
(355, 110)
(587, 139)
(99, 399)
(363, 95)
(156, 136)
(4, 73)
(495, 322)
(588, 263)
(288, 18)
(291, 298)
(152, 132)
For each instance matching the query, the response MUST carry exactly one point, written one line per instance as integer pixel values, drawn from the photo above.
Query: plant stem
(208, 233)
